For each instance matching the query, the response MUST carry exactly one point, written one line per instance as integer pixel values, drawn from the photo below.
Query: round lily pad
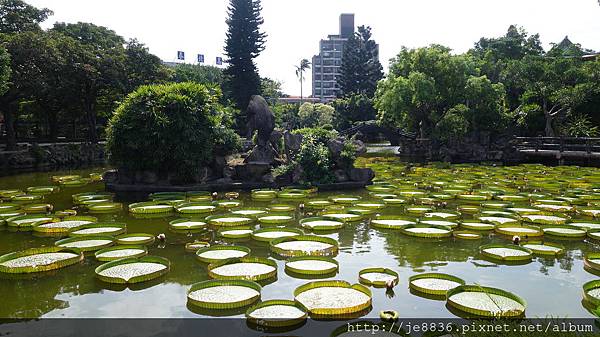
(321, 223)
(277, 313)
(37, 208)
(219, 253)
(592, 261)
(343, 216)
(434, 283)
(150, 207)
(229, 220)
(486, 302)
(107, 228)
(565, 231)
(187, 225)
(133, 270)
(445, 223)
(544, 248)
(467, 235)
(304, 245)
(87, 243)
(235, 232)
(530, 231)
(591, 292)
(228, 204)
(545, 219)
(427, 231)
(120, 252)
(418, 210)
(39, 260)
(498, 220)
(29, 221)
(477, 226)
(377, 277)
(244, 268)
(263, 194)
(318, 204)
(311, 265)
(275, 218)
(392, 222)
(333, 298)
(269, 234)
(65, 226)
(135, 239)
(282, 208)
(506, 252)
(105, 207)
(195, 208)
(9, 207)
(224, 294)
(344, 199)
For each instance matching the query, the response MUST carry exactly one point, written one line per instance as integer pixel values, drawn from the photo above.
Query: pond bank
(41, 157)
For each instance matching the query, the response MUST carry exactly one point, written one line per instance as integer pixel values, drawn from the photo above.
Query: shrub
(580, 125)
(320, 135)
(172, 128)
(315, 115)
(315, 160)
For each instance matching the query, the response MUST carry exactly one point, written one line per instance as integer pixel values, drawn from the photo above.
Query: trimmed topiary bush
(173, 128)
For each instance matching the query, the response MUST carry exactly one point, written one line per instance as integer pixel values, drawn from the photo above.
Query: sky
(295, 27)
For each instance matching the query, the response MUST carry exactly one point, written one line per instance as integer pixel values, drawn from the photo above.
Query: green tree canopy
(361, 69)
(315, 115)
(17, 16)
(4, 70)
(198, 73)
(427, 84)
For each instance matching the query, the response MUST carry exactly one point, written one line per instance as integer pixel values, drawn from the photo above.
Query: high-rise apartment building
(326, 65)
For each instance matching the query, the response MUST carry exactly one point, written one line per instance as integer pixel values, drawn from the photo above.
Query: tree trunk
(549, 128)
(11, 135)
(91, 122)
(301, 86)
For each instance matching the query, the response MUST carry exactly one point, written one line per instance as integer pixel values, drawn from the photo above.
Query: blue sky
(296, 26)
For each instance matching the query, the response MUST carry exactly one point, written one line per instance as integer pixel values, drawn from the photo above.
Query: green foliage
(348, 155)
(142, 67)
(4, 70)
(315, 160)
(197, 73)
(360, 70)
(429, 88)
(169, 128)
(580, 125)
(271, 89)
(453, 125)
(286, 116)
(244, 43)
(353, 108)
(17, 16)
(320, 135)
(315, 114)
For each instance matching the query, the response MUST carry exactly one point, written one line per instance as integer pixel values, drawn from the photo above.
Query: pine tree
(244, 43)
(361, 69)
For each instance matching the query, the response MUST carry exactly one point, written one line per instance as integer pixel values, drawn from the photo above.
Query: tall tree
(553, 87)
(142, 67)
(16, 16)
(300, 69)
(95, 69)
(361, 69)
(244, 43)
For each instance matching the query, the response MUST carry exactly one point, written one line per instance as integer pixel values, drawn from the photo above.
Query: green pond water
(551, 286)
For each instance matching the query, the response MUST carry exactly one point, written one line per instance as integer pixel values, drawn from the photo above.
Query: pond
(551, 286)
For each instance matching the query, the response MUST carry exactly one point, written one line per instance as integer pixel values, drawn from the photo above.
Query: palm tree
(304, 65)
